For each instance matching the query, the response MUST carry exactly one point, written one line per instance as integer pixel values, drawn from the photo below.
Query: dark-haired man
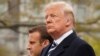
(38, 39)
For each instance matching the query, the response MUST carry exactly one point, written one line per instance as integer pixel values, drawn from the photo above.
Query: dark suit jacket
(71, 46)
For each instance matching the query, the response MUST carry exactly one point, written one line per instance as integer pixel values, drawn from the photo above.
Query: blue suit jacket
(71, 46)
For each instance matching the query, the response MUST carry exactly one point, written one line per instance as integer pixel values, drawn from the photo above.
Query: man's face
(55, 19)
(34, 45)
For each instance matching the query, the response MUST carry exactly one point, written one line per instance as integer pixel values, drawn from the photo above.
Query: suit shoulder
(78, 42)
(82, 47)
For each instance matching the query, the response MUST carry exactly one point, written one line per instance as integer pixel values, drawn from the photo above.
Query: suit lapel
(64, 44)
(57, 51)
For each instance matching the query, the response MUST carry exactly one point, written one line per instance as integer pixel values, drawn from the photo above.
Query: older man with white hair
(60, 24)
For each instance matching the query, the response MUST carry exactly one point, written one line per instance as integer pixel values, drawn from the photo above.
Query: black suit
(71, 46)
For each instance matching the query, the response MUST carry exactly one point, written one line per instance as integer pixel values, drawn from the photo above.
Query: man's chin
(50, 31)
(32, 54)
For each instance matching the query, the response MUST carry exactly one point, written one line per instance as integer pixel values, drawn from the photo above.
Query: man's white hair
(66, 6)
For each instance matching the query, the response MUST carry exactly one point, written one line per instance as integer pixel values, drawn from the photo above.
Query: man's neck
(57, 35)
(61, 38)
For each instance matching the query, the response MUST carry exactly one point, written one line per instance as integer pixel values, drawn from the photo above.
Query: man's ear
(68, 20)
(45, 43)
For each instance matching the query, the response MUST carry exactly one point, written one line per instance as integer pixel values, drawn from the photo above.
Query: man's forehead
(34, 35)
(33, 39)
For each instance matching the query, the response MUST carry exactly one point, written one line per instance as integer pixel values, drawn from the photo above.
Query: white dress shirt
(59, 40)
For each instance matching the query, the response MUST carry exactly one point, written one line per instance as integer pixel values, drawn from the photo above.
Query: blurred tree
(4, 51)
(11, 16)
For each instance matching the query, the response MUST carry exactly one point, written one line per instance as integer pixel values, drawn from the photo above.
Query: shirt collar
(59, 40)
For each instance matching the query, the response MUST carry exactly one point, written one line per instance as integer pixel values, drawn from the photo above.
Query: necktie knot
(53, 46)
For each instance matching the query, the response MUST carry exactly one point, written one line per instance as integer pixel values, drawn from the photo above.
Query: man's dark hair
(43, 32)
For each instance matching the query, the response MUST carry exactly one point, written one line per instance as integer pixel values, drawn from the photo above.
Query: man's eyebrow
(31, 42)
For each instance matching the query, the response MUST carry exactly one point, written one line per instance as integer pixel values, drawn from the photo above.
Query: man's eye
(52, 15)
(32, 42)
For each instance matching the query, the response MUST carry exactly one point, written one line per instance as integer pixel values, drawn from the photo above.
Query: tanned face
(56, 20)
(34, 45)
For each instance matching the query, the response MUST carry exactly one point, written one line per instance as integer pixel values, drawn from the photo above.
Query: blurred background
(17, 16)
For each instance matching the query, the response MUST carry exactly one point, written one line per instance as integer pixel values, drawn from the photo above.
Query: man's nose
(48, 20)
(28, 48)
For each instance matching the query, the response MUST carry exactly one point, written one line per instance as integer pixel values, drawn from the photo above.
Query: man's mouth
(49, 26)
